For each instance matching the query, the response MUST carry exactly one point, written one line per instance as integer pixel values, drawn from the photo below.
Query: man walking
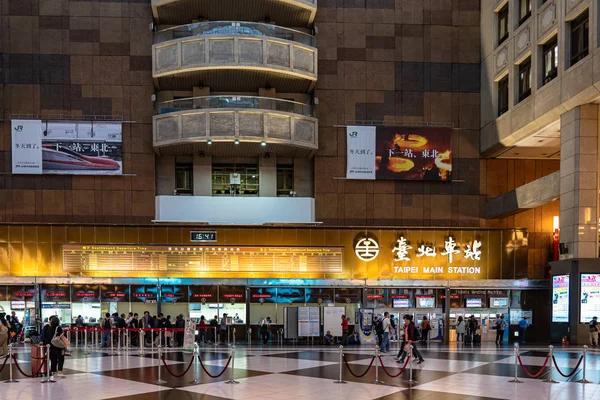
(386, 325)
(500, 328)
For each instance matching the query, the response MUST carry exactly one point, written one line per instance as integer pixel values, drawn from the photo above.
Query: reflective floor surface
(297, 372)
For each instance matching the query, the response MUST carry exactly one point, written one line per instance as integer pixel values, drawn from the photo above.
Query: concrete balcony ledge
(213, 123)
(235, 210)
(531, 195)
(292, 13)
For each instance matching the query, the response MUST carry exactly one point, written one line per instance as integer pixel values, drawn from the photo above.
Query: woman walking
(57, 353)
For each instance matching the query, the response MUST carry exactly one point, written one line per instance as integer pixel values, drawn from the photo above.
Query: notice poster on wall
(309, 321)
(590, 297)
(399, 153)
(66, 147)
(560, 298)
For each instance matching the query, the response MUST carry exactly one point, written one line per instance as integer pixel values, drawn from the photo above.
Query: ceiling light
(263, 143)
(209, 142)
(236, 141)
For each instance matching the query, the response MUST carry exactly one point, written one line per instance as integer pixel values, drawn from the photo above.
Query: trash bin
(38, 355)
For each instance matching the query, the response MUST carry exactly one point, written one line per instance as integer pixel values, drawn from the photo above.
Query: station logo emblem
(366, 249)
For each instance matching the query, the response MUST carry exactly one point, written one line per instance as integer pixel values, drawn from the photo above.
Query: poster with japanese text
(560, 298)
(26, 146)
(590, 297)
(414, 154)
(360, 143)
(68, 148)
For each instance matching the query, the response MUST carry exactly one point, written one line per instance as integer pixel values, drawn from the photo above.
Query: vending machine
(365, 321)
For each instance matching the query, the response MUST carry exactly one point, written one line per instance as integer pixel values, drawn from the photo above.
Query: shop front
(302, 278)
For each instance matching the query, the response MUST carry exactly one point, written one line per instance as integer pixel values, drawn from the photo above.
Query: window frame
(550, 47)
(580, 24)
(525, 66)
(502, 86)
(524, 17)
(190, 179)
(246, 189)
(502, 16)
(285, 192)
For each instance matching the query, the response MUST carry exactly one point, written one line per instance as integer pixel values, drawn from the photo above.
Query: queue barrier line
(537, 375)
(23, 373)
(364, 373)
(401, 370)
(209, 374)
(4, 363)
(572, 372)
(177, 375)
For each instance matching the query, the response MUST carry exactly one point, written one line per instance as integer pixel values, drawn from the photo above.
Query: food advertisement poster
(560, 298)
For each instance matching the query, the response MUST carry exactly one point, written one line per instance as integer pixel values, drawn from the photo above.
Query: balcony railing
(233, 28)
(221, 102)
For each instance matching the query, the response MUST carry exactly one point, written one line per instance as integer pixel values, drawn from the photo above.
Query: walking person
(344, 331)
(57, 353)
(425, 328)
(410, 337)
(500, 328)
(264, 331)
(202, 331)
(460, 329)
(523, 325)
(593, 328)
(386, 325)
(4, 329)
(378, 326)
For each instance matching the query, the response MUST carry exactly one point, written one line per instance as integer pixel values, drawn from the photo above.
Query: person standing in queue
(500, 328)
(264, 331)
(57, 354)
(523, 325)
(344, 331)
(223, 328)
(460, 329)
(386, 325)
(201, 331)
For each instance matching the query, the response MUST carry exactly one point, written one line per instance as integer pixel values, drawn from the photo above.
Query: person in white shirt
(387, 327)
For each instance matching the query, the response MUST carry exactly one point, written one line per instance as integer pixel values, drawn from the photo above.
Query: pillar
(202, 176)
(303, 177)
(165, 175)
(267, 176)
(579, 182)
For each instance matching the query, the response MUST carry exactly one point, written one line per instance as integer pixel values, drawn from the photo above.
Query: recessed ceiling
(543, 144)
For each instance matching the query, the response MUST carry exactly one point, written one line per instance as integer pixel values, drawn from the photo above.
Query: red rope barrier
(572, 372)
(3, 364)
(171, 372)
(209, 374)
(364, 373)
(26, 375)
(399, 373)
(527, 372)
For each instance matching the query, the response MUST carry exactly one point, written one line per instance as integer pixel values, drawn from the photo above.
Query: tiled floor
(449, 373)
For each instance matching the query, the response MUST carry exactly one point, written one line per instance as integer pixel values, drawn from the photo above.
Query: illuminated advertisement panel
(560, 298)
(589, 306)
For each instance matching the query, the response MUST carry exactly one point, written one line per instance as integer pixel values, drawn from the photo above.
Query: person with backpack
(106, 327)
(377, 324)
(500, 328)
(411, 336)
(179, 324)
(472, 327)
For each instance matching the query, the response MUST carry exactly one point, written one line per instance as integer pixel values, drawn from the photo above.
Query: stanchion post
(76, 338)
(47, 380)
(216, 339)
(377, 381)
(249, 337)
(234, 336)
(550, 360)
(141, 340)
(232, 379)
(119, 332)
(159, 381)
(410, 379)
(516, 378)
(96, 342)
(152, 340)
(69, 335)
(10, 356)
(112, 350)
(85, 347)
(583, 380)
(196, 351)
(341, 380)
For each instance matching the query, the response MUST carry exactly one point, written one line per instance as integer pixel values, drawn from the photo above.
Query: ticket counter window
(62, 310)
(90, 312)
(17, 306)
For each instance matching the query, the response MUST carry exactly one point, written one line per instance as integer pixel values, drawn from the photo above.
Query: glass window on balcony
(285, 180)
(503, 95)
(184, 179)
(524, 10)
(502, 25)
(234, 180)
(525, 79)
(550, 52)
(580, 38)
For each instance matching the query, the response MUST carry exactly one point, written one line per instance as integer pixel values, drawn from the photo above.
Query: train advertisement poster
(399, 153)
(66, 147)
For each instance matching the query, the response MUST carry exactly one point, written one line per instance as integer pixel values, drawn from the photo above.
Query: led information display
(77, 258)
(560, 298)
(590, 297)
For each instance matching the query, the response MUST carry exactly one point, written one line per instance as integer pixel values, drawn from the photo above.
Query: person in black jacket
(57, 354)
(411, 336)
(378, 326)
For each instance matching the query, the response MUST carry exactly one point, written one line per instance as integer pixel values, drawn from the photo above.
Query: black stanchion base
(232, 381)
(515, 380)
(584, 381)
(340, 382)
(11, 381)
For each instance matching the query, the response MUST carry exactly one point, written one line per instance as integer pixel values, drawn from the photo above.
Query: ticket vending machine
(365, 323)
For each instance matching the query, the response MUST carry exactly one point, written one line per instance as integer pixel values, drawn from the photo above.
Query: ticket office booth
(143, 298)
(86, 302)
(21, 300)
(56, 300)
(485, 305)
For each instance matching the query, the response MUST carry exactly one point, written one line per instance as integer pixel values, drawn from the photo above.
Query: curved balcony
(234, 56)
(296, 13)
(213, 125)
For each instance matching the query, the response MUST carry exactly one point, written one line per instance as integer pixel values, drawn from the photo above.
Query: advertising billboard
(589, 306)
(399, 153)
(560, 298)
(66, 147)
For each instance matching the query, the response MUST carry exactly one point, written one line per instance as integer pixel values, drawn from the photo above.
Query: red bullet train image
(60, 158)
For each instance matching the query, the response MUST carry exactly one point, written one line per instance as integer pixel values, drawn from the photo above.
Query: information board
(560, 298)
(590, 297)
(332, 320)
(309, 321)
(77, 258)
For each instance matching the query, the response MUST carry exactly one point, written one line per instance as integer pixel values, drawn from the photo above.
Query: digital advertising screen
(425, 302)
(498, 302)
(589, 306)
(474, 303)
(401, 303)
(560, 298)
